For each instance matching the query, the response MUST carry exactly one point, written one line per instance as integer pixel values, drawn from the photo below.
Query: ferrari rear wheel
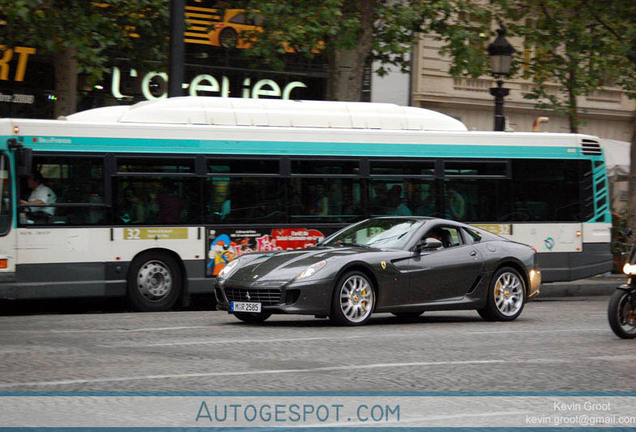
(353, 300)
(506, 296)
(252, 317)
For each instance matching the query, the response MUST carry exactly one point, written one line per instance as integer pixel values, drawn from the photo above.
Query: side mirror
(23, 157)
(428, 244)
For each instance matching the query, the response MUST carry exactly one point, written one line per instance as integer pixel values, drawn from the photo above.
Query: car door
(446, 273)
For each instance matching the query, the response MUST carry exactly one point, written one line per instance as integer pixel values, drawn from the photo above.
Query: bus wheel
(154, 282)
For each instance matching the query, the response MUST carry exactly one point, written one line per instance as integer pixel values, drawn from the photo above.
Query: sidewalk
(604, 285)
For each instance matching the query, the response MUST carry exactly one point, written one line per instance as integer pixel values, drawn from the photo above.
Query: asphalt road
(556, 345)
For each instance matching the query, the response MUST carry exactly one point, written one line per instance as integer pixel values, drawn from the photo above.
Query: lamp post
(177, 48)
(500, 52)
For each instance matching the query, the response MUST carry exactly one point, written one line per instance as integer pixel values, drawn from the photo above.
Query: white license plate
(246, 307)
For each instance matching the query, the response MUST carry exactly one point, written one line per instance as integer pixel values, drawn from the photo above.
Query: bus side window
(78, 183)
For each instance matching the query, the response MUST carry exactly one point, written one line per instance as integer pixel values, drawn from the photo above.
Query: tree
(349, 33)
(617, 18)
(569, 52)
(81, 36)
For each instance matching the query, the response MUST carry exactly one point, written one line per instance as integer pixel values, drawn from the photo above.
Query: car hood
(285, 266)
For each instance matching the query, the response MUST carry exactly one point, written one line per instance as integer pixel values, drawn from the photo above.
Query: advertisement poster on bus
(225, 245)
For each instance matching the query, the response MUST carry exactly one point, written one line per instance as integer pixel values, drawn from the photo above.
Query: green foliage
(94, 31)
(570, 47)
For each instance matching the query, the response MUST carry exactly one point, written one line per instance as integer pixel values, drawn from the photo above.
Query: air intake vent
(591, 147)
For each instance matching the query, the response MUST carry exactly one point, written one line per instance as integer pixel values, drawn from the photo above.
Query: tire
(228, 38)
(622, 314)
(353, 299)
(154, 282)
(252, 317)
(506, 296)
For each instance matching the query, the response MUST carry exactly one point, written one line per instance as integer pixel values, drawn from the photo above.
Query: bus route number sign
(499, 229)
(155, 233)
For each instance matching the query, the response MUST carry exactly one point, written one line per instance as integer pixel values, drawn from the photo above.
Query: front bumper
(306, 297)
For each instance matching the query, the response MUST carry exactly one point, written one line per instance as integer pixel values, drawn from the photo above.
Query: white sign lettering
(204, 83)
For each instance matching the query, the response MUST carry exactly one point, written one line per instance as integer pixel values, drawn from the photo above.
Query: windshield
(5, 195)
(379, 233)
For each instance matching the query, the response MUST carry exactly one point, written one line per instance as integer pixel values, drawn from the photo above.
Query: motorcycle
(622, 306)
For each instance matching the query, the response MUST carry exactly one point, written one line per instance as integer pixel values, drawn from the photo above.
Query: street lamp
(500, 52)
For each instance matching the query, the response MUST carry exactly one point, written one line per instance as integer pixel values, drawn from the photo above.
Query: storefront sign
(154, 86)
(9, 54)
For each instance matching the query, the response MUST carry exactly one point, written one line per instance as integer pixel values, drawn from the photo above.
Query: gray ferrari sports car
(401, 265)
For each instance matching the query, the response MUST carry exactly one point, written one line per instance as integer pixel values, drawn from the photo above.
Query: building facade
(607, 113)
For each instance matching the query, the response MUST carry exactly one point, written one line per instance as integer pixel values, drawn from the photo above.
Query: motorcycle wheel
(622, 314)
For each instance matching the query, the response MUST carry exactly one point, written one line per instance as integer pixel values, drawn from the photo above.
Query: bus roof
(269, 112)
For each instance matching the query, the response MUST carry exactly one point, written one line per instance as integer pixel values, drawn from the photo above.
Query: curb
(595, 286)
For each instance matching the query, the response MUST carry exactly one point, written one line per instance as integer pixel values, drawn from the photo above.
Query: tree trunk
(572, 102)
(347, 65)
(345, 81)
(65, 66)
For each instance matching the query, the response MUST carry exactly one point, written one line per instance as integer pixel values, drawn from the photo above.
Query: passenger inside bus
(319, 205)
(456, 205)
(171, 205)
(380, 202)
(397, 203)
(131, 207)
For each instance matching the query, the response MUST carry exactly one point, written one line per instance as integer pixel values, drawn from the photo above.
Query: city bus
(154, 199)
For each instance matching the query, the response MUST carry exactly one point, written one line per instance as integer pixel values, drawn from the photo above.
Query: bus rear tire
(154, 282)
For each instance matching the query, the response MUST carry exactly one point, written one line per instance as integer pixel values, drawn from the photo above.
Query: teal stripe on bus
(300, 148)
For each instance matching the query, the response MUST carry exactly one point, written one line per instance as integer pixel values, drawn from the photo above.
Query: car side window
(449, 236)
(471, 236)
(452, 238)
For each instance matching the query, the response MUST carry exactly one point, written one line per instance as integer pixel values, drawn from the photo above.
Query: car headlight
(629, 269)
(311, 270)
(227, 270)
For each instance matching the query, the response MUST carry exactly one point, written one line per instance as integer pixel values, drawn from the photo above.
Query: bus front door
(7, 233)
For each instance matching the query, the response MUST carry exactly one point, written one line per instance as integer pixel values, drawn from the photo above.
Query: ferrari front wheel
(353, 300)
(506, 296)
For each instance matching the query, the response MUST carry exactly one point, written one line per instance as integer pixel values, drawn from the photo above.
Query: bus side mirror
(23, 157)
